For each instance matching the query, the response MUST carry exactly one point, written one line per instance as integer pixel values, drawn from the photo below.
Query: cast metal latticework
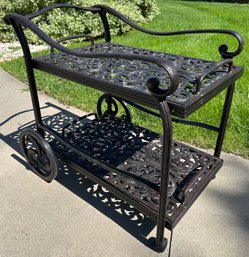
(199, 79)
(138, 152)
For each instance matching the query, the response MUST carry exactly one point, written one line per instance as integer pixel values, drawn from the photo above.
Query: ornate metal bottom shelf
(134, 155)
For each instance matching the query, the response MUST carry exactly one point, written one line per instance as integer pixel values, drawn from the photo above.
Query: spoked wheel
(38, 154)
(112, 106)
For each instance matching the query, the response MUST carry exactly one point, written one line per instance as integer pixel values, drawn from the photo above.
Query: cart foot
(39, 155)
(158, 247)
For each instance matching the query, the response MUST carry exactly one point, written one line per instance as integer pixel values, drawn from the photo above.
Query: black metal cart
(157, 175)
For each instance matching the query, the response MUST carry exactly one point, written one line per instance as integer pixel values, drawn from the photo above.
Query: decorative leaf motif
(134, 73)
(138, 152)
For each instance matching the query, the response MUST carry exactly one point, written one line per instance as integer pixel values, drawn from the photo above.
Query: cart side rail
(18, 21)
(102, 10)
(223, 49)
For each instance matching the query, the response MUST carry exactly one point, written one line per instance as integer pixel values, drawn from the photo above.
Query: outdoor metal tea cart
(157, 175)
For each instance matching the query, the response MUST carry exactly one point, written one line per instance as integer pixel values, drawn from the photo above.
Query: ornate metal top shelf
(126, 78)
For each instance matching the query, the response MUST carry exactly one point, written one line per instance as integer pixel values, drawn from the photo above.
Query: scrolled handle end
(223, 50)
(153, 87)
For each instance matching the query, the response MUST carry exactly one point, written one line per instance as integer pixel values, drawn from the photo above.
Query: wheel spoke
(112, 106)
(35, 144)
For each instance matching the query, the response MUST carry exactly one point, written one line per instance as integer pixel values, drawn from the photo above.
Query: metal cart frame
(170, 196)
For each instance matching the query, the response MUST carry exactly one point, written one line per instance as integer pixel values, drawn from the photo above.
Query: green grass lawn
(177, 16)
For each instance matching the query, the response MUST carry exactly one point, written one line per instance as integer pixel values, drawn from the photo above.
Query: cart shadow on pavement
(127, 217)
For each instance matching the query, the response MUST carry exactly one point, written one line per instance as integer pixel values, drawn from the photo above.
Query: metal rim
(113, 109)
(38, 154)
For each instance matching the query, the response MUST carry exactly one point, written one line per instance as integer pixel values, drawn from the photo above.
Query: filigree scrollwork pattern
(138, 152)
(134, 73)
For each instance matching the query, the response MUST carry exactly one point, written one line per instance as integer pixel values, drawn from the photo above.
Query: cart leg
(153, 86)
(34, 95)
(30, 74)
(158, 246)
(224, 120)
(159, 243)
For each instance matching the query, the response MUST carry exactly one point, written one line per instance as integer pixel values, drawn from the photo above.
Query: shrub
(63, 22)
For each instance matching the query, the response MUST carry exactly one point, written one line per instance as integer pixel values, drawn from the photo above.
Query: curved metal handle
(198, 81)
(166, 65)
(63, 39)
(223, 49)
(54, 6)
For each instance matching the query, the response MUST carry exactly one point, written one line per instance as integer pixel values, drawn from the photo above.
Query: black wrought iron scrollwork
(137, 152)
(112, 107)
(223, 49)
(25, 21)
(38, 154)
(103, 9)
(180, 84)
(167, 75)
(158, 175)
